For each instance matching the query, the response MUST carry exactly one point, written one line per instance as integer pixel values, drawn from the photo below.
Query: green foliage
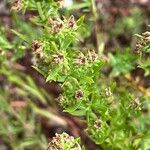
(143, 48)
(18, 115)
(4, 42)
(129, 24)
(19, 104)
(122, 62)
(4, 46)
(145, 65)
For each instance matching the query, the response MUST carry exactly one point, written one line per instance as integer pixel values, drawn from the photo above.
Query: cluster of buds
(56, 24)
(61, 141)
(2, 52)
(71, 23)
(58, 58)
(98, 124)
(139, 46)
(60, 3)
(108, 92)
(60, 99)
(37, 49)
(17, 5)
(81, 59)
(79, 94)
(143, 41)
(92, 55)
(37, 46)
(135, 104)
(146, 36)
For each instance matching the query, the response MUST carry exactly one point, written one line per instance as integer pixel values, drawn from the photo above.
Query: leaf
(4, 44)
(73, 109)
(78, 113)
(21, 36)
(80, 5)
(112, 58)
(37, 69)
(138, 35)
(48, 114)
(88, 80)
(53, 74)
(27, 86)
(80, 21)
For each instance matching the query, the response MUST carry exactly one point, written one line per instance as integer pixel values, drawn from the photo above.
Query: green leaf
(73, 109)
(21, 36)
(80, 21)
(54, 74)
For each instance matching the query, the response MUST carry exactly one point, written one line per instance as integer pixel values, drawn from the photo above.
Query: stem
(94, 10)
(40, 11)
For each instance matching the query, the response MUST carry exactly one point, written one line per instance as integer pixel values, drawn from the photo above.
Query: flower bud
(71, 23)
(134, 104)
(97, 124)
(60, 3)
(36, 46)
(61, 141)
(56, 24)
(79, 94)
(16, 5)
(58, 58)
(81, 59)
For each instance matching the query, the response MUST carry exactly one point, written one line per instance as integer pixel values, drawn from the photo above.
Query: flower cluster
(60, 3)
(56, 24)
(144, 42)
(135, 104)
(63, 142)
(89, 57)
(17, 5)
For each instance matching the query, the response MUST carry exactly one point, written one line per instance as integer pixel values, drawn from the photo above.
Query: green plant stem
(40, 11)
